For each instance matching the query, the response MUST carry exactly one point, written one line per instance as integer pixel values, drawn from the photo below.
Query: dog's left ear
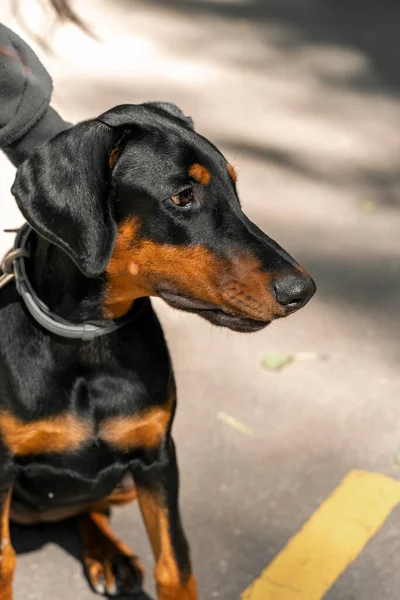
(64, 188)
(63, 191)
(173, 110)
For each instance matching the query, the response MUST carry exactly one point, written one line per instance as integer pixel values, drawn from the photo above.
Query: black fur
(75, 201)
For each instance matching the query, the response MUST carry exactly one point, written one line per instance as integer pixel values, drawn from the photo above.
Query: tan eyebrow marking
(232, 171)
(200, 174)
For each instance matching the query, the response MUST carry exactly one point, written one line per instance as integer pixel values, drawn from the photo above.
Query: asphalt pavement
(303, 98)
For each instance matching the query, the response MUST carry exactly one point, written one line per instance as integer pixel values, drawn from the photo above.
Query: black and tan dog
(130, 205)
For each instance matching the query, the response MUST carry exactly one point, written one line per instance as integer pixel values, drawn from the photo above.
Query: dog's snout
(294, 290)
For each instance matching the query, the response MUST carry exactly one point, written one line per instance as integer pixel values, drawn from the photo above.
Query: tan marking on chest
(63, 433)
(145, 431)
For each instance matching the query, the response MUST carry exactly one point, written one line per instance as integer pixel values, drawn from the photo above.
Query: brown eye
(184, 198)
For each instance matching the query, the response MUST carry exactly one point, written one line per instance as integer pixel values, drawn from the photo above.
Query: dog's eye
(184, 198)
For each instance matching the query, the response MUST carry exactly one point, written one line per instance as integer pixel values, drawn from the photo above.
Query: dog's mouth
(212, 312)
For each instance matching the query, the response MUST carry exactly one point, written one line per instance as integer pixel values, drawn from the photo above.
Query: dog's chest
(67, 432)
(89, 405)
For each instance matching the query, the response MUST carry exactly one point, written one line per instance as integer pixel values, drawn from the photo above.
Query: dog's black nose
(294, 290)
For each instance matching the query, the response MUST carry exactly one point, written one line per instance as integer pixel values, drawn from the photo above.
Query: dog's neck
(61, 286)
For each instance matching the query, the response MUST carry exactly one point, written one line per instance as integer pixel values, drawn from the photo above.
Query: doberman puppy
(123, 207)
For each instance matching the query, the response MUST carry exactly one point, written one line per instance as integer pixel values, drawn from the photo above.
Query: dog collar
(13, 266)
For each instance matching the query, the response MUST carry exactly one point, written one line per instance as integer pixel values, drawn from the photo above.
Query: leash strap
(6, 278)
(7, 263)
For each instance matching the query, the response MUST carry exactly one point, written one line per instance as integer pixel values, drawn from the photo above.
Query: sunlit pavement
(304, 100)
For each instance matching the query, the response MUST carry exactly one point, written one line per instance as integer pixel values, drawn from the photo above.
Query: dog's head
(138, 196)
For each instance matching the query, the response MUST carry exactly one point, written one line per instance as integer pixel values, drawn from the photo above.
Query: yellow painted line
(332, 538)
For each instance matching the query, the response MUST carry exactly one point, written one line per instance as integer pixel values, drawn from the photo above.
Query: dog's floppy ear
(62, 190)
(142, 115)
(173, 110)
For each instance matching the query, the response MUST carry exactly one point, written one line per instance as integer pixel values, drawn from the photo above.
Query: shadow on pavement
(367, 26)
(26, 539)
(350, 45)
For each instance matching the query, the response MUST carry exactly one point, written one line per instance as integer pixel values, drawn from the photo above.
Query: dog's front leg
(7, 554)
(157, 490)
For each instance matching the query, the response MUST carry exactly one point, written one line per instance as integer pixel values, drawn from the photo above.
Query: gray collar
(13, 266)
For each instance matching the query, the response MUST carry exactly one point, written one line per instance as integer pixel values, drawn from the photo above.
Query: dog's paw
(111, 573)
